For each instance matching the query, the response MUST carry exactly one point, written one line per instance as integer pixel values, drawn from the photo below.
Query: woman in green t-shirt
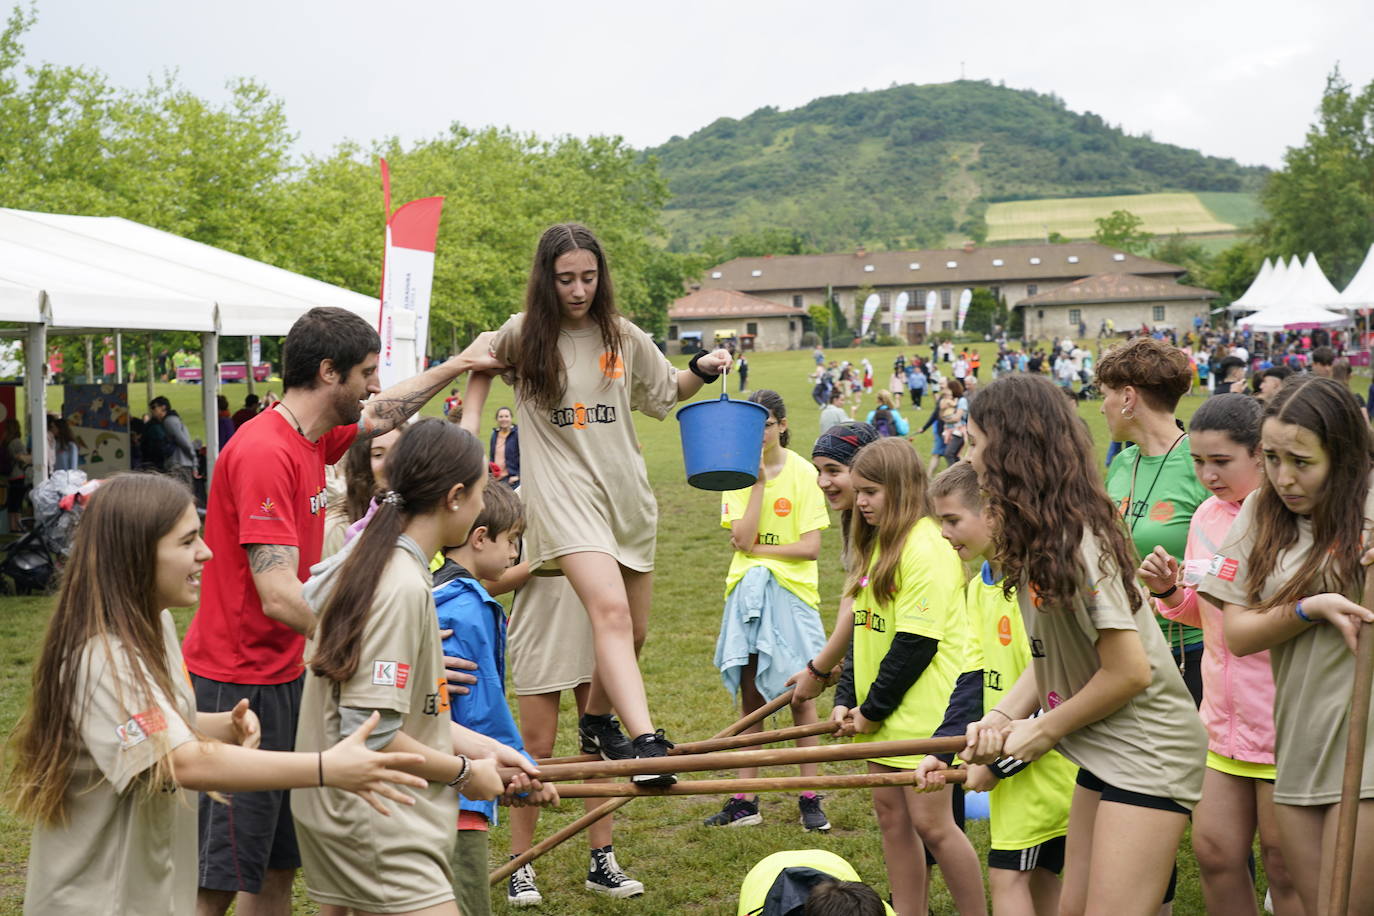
(1152, 482)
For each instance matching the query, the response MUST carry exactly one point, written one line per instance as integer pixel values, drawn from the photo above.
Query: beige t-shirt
(549, 638)
(583, 477)
(121, 850)
(352, 855)
(1312, 671)
(1156, 743)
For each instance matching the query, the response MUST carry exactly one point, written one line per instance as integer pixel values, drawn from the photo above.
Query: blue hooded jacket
(478, 623)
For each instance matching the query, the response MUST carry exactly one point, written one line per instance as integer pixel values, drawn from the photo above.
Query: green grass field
(685, 867)
(1163, 213)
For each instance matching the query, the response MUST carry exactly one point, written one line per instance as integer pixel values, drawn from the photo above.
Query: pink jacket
(1237, 693)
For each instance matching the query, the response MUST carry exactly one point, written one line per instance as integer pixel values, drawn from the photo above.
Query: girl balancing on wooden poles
(376, 650)
(579, 369)
(1287, 579)
(111, 742)
(1113, 700)
(907, 586)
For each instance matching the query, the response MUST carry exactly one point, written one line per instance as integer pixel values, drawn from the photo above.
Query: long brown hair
(420, 469)
(892, 464)
(1330, 412)
(105, 605)
(1044, 491)
(537, 364)
(360, 485)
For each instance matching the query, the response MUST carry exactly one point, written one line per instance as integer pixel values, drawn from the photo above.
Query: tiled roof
(728, 303)
(1118, 288)
(978, 267)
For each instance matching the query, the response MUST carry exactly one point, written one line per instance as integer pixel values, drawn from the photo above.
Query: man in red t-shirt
(265, 525)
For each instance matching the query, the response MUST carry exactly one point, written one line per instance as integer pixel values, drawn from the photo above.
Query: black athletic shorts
(1111, 793)
(1048, 855)
(240, 841)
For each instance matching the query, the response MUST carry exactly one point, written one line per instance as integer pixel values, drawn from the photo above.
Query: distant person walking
(180, 452)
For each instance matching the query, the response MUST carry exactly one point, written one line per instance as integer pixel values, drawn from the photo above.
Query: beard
(347, 408)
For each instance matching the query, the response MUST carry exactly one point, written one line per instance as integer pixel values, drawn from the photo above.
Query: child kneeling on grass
(1030, 812)
(477, 631)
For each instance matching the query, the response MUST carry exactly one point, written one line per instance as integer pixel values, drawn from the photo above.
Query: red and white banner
(412, 233)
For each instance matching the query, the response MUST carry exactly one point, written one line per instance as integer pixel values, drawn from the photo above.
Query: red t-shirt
(268, 488)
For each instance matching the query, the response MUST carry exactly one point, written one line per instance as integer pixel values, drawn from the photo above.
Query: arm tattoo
(388, 411)
(265, 557)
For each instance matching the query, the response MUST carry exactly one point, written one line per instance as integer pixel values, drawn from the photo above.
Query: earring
(454, 507)
(1127, 416)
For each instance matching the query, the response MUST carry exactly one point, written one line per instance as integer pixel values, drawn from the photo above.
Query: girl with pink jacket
(1238, 692)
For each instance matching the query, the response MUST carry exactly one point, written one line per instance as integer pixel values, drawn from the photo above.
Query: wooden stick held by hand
(765, 784)
(710, 745)
(758, 715)
(1343, 868)
(729, 760)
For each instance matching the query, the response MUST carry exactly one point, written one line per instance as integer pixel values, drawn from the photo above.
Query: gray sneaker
(812, 817)
(605, 876)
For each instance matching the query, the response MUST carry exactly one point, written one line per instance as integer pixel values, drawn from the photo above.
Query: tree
(821, 319)
(1323, 198)
(1122, 230)
(985, 310)
(1179, 249)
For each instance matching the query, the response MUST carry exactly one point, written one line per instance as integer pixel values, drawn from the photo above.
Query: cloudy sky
(1238, 78)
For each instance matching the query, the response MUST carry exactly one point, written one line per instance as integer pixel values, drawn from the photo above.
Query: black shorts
(241, 840)
(1111, 793)
(1048, 855)
(15, 491)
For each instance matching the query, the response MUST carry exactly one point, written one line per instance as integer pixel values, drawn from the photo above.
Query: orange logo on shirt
(782, 507)
(1162, 511)
(612, 368)
(1004, 630)
(579, 416)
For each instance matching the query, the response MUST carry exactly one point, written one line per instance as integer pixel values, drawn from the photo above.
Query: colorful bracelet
(461, 779)
(811, 666)
(1297, 609)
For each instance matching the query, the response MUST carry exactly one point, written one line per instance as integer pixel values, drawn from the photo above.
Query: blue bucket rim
(724, 398)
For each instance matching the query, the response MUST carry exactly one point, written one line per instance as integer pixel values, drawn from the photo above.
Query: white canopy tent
(1255, 290)
(1293, 318)
(1312, 287)
(105, 274)
(1359, 293)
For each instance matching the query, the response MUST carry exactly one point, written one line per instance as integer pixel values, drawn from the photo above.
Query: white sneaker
(520, 889)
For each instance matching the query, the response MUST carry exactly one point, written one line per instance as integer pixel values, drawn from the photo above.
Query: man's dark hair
(160, 401)
(1278, 372)
(250, 401)
(1324, 356)
(325, 333)
(1229, 363)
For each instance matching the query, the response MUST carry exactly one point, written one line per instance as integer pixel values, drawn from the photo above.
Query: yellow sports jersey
(792, 506)
(928, 602)
(1031, 806)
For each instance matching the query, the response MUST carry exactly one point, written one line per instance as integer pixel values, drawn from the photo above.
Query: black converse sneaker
(648, 746)
(605, 876)
(602, 735)
(812, 817)
(520, 889)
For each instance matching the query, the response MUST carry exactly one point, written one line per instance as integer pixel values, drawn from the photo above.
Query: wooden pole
(1348, 817)
(766, 784)
(758, 715)
(729, 760)
(751, 739)
(567, 833)
(591, 817)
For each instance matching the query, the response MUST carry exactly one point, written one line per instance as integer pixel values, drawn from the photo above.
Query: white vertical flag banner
(870, 309)
(964, 299)
(932, 303)
(412, 234)
(899, 315)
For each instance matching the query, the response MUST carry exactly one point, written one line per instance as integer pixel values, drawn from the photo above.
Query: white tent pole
(119, 358)
(36, 394)
(151, 367)
(209, 384)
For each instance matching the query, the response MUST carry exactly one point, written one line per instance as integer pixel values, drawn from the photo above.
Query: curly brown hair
(1328, 410)
(1044, 492)
(1159, 371)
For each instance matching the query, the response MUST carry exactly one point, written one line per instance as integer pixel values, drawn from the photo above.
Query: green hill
(911, 165)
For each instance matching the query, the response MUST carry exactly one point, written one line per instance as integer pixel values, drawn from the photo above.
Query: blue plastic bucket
(722, 441)
(977, 806)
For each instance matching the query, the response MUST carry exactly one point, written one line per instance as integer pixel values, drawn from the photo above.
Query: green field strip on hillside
(1236, 207)
(1074, 217)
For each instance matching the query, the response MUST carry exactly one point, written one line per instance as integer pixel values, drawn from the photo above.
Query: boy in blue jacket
(478, 626)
